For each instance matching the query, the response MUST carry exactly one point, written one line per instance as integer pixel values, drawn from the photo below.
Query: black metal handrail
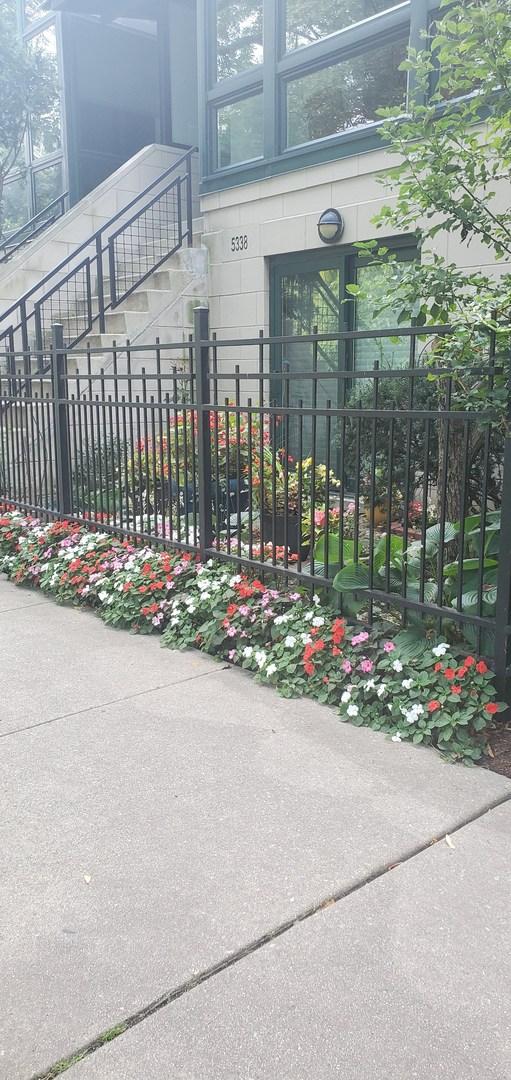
(37, 224)
(76, 289)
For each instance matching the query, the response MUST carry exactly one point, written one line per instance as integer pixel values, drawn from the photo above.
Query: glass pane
(35, 9)
(14, 210)
(308, 300)
(45, 129)
(307, 22)
(375, 281)
(240, 131)
(47, 185)
(239, 33)
(345, 95)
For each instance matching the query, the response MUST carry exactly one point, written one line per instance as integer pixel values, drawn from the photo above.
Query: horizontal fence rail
(379, 485)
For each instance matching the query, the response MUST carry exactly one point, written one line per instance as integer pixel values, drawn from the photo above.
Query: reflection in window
(35, 9)
(345, 95)
(239, 32)
(307, 22)
(45, 128)
(47, 185)
(14, 210)
(375, 281)
(240, 131)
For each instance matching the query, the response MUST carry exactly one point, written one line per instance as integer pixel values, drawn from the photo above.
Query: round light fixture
(330, 226)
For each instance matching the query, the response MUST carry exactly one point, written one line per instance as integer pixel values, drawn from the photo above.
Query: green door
(308, 293)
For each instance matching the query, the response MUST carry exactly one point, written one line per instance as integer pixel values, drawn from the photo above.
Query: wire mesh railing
(388, 488)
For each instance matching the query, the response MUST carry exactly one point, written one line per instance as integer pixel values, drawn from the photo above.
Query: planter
(280, 532)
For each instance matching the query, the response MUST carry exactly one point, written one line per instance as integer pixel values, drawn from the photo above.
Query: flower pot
(280, 532)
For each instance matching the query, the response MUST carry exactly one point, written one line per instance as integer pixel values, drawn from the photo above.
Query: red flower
(461, 672)
(491, 708)
(326, 679)
(481, 668)
(469, 661)
(438, 667)
(232, 609)
(320, 645)
(433, 706)
(308, 652)
(309, 668)
(449, 673)
(336, 651)
(455, 689)
(338, 631)
(142, 588)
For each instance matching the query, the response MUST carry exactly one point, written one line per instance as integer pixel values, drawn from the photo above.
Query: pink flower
(389, 646)
(347, 667)
(294, 596)
(366, 666)
(232, 654)
(244, 609)
(360, 638)
(231, 632)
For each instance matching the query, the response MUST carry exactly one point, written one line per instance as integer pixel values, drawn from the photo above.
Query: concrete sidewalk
(162, 814)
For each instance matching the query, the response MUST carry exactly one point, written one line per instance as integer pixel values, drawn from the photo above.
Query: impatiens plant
(438, 696)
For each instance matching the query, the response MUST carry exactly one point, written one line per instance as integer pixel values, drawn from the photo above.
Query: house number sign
(239, 242)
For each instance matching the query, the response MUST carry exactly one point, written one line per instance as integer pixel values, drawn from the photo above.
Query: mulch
(499, 757)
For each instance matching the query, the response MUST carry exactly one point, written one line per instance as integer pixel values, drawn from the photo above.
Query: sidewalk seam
(122, 1026)
(116, 701)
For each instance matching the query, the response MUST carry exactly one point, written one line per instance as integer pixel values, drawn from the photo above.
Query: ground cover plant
(296, 643)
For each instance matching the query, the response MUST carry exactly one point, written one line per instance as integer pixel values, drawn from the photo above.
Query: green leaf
(411, 644)
(351, 578)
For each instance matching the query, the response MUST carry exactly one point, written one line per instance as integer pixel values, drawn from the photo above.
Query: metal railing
(103, 270)
(33, 228)
(378, 484)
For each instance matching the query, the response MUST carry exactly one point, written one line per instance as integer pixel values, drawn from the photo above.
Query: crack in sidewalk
(161, 1002)
(115, 701)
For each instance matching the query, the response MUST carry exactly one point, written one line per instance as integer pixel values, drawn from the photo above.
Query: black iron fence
(388, 487)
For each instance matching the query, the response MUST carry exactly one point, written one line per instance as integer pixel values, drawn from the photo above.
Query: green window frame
(407, 19)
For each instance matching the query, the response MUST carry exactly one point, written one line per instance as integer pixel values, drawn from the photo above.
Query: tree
(452, 176)
(27, 87)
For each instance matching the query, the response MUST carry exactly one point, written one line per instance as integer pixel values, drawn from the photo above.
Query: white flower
(306, 639)
(396, 738)
(407, 684)
(397, 665)
(318, 621)
(369, 685)
(441, 649)
(382, 689)
(390, 706)
(103, 595)
(235, 580)
(352, 710)
(278, 620)
(260, 659)
(247, 652)
(345, 697)
(271, 669)
(315, 599)
(290, 642)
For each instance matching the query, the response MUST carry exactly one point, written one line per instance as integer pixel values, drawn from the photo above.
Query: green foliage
(27, 86)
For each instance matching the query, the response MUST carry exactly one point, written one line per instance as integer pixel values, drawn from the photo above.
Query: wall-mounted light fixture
(330, 226)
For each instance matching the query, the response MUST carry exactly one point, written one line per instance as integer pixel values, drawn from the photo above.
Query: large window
(240, 131)
(45, 129)
(345, 95)
(308, 21)
(282, 76)
(239, 36)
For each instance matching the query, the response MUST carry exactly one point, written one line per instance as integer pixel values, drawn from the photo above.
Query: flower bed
(300, 646)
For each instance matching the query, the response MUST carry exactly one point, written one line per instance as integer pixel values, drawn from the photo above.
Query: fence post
(61, 423)
(202, 394)
(503, 607)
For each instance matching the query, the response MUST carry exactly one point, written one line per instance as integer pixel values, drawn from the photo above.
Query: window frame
(406, 18)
